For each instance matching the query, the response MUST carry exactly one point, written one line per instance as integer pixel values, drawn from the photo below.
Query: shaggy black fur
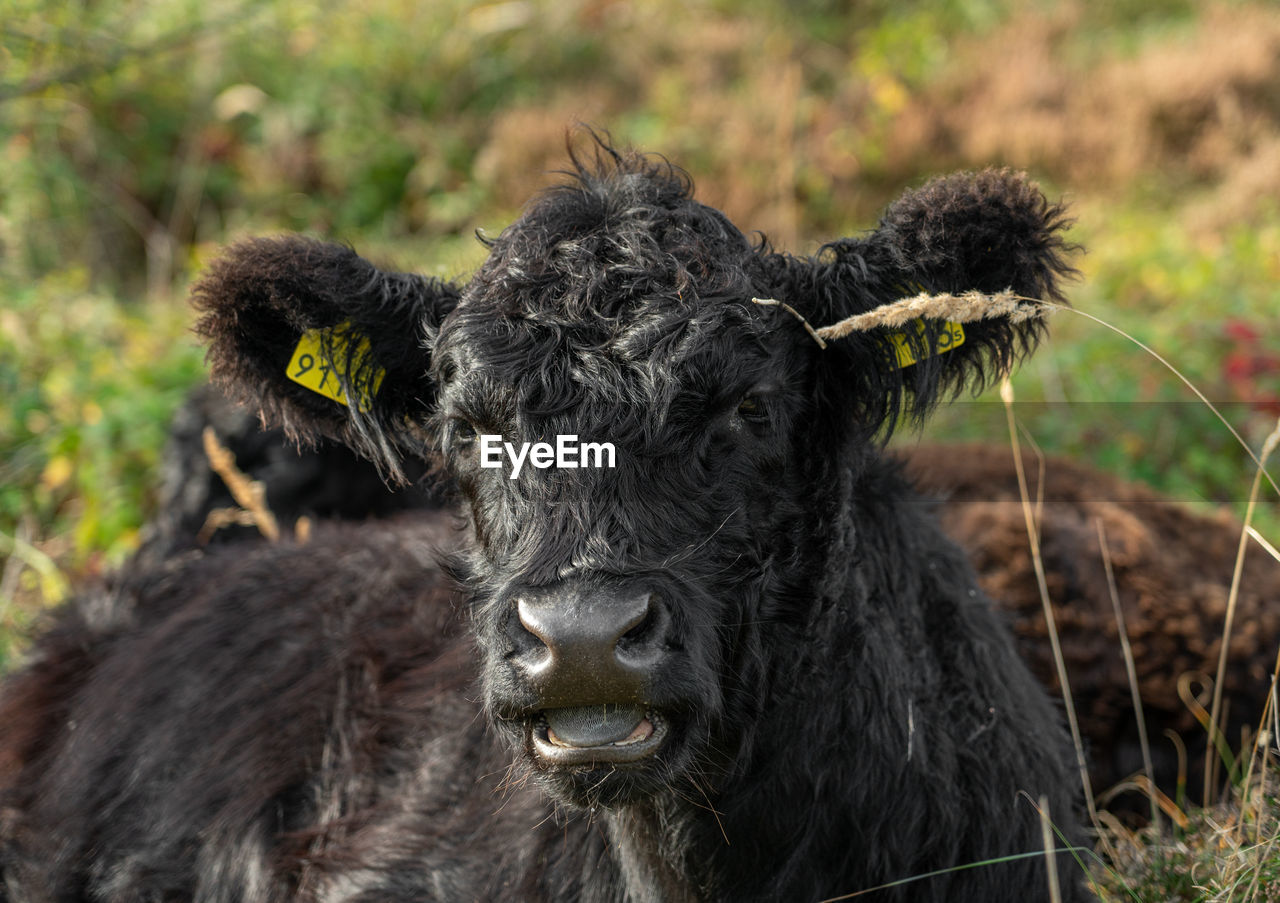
(838, 706)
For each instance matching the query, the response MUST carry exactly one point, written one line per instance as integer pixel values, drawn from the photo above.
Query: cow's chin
(626, 770)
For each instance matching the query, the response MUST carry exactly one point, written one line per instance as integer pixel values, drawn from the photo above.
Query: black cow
(741, 663)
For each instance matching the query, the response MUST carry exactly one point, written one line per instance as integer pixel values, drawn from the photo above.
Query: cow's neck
(648, 845)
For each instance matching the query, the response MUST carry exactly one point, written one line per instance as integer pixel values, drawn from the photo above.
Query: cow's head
(628, 615)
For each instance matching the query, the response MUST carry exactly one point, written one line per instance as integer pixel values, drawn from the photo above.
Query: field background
(136, 137)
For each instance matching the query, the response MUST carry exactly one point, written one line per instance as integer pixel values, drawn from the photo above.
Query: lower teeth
(640, 733)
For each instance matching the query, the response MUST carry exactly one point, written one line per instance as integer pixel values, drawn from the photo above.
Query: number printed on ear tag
(951, 336)
(313, 367)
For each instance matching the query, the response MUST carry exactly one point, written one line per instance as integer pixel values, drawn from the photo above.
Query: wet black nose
(585, 646)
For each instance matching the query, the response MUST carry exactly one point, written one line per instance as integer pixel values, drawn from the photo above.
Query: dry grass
(1198, 106)
(250, 495)
(1131, 670)
(1229, 852)
(962, 308)
(1267, 448)
(1207, 860)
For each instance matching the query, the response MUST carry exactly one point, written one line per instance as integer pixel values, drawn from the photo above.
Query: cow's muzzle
(589, 655)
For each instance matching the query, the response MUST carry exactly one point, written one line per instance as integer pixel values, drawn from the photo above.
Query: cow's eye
(464, 431)
(751, 409)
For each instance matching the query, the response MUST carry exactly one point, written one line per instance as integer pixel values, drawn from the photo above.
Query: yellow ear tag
(952, 336)
(312, 367)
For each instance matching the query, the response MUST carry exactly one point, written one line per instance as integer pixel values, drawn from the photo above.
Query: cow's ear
(323, 342)
(991, 232)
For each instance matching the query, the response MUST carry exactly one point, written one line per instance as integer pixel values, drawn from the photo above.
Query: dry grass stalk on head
(962, 308)
(773, 302)
(250, 495)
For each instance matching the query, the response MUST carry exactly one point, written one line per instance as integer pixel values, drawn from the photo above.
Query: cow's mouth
(597, 734)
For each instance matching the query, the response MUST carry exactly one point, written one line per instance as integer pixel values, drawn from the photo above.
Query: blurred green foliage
(195, 119)
(89, 385)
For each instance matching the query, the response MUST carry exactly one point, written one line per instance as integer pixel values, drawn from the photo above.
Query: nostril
(637, 633)
(642, 625)
(533, 631)
(648, 634)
